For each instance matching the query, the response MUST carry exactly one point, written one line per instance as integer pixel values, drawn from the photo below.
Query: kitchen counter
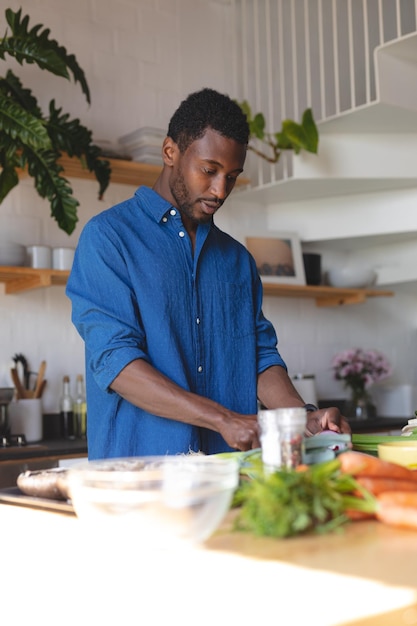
(48, 453)
(365, 575)
(48, 448)
(78, 447)
(377, 424)
(35, 456)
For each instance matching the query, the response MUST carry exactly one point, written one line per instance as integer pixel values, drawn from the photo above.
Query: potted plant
(33, 140)
(359, 369)
(292, 136)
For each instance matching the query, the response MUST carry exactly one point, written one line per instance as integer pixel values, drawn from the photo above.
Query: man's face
(204, 175)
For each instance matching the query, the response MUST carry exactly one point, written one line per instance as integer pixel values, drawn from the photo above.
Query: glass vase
(360, 405)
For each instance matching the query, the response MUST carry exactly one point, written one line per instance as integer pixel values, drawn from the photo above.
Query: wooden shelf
(122, 172)
(19, 279)
(324, 295)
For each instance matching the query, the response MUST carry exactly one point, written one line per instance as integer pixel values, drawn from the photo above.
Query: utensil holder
(25, 418)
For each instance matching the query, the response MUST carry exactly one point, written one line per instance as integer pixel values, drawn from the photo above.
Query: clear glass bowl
(164, 500)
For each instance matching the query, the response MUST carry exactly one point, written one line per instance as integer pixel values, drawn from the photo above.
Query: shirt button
(181, 233)
(198, 320)
(200, 368)
(172, 212)
(165, 219)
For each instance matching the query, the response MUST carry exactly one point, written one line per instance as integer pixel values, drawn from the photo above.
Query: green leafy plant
(290, 502)
(292, 136)
(32, 140)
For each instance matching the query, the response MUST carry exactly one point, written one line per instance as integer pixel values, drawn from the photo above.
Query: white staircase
(359, 194)
(370, 148)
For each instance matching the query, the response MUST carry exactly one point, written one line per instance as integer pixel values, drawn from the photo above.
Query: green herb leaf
(289, 502)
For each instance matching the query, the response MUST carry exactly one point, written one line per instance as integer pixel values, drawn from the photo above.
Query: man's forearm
(275, 389)
(145, 387)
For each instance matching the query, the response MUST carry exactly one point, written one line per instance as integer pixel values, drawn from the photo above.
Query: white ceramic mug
(25, 418)
(39, 257)
(62, 258)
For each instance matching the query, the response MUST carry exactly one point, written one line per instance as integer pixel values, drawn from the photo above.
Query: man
(170, 307)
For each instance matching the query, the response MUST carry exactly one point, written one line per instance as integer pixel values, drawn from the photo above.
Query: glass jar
(282, 436)
(269, 438)
(292, 424)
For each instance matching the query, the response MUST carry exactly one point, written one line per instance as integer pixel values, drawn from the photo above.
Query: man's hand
(326, 419)
(241, 431)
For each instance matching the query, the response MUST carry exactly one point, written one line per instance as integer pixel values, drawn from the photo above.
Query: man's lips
(210, 206)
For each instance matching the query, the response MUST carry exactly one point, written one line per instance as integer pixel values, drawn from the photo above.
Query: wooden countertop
(365, 575)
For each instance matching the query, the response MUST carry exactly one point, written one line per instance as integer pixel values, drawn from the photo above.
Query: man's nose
(219, 187)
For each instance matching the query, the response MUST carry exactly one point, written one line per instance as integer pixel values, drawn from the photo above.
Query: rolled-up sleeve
(107, 319)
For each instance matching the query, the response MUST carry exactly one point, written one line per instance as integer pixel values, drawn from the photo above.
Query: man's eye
(206, 170)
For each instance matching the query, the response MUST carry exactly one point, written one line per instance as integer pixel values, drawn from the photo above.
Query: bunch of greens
(292, 136)
(285, 503)
(369, 442)
(29, 138)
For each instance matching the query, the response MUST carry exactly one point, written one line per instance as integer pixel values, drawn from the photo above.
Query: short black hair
(207, 109)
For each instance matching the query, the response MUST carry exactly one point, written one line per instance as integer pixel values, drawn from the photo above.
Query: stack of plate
(144, 144)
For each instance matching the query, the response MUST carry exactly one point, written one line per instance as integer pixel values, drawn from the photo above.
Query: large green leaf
(257, 126)
(75, 139)
(292, 136)
(12, 87)
(35, 46)
(29, 139)
(295, 135)
(21, 125)
(66, 134)
(49, 183)
(8, 180)
(310, 128)
(30, 46)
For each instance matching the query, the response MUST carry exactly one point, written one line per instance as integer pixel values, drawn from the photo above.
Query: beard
(183, 200)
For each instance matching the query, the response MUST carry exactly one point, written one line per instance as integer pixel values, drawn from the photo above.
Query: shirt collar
(154, 204)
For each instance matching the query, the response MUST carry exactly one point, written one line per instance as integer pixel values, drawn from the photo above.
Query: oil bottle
(66, 410)
(80, 408)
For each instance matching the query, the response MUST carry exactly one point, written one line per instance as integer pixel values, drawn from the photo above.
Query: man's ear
(169, 151)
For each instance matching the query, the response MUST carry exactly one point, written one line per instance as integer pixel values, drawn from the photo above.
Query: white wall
(309, 335)
(141, 57)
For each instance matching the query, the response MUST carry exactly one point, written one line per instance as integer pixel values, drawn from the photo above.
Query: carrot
(397, 508)
(399, 497)
(355, 515)
(362, 464)
(378, 485)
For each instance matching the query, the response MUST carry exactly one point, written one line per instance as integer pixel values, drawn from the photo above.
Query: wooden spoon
(20, 390)
(39, 390)
(39, 381)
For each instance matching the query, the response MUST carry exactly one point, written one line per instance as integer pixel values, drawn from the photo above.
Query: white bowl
(162, 501)
(351, 277)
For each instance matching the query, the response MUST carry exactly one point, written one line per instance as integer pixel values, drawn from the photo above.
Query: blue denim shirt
(139, 292)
